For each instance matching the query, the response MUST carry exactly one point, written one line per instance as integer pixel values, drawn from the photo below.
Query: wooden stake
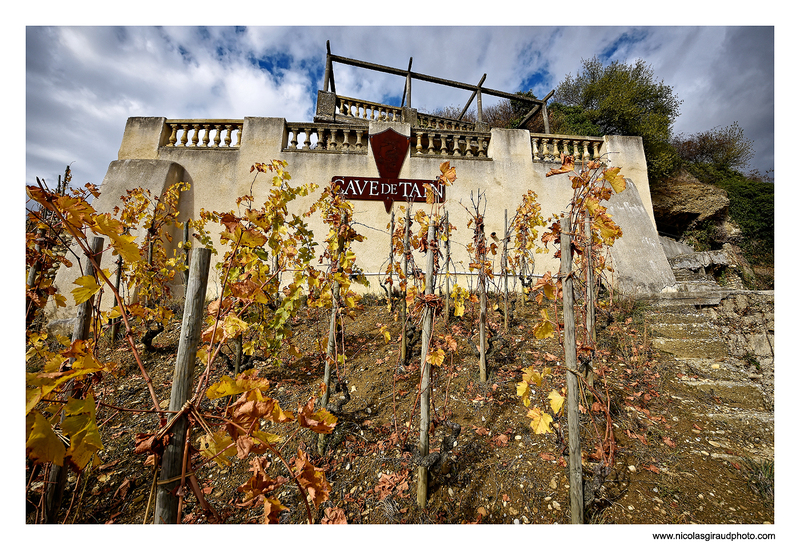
(330, 360)
(591, 336)
(425, 367)
(570, 362)
(482, 282)
(505, 270)
(447, 269)
(166, 511)
(80, 331)
(403, 312)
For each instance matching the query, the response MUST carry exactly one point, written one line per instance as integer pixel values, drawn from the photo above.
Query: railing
(318, 137)
(204, 133)
(450, 143)
(545, 147)
(368, 110)
(441, 123)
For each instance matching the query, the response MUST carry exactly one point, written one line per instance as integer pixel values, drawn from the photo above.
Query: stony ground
(694, 435)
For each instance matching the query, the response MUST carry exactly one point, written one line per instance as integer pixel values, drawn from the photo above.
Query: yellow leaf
(616, 180)
(212, 445)
(532, 376)
(556, 401)
(42, 444)
(87, 287)
(81, 427)
(233, 326)
(540, 422)
(266, 437)
(543, 329)
(243, 383)
(435, 358)
(524, 391)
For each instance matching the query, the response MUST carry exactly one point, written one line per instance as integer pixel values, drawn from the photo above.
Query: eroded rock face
(682, 201)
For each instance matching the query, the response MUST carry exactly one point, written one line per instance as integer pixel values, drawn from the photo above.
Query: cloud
(82, 83)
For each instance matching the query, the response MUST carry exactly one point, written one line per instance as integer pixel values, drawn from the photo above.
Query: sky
(83, 82)
(83, 73)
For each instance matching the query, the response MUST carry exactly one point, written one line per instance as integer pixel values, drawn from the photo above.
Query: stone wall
(219, 174)
(746, 322)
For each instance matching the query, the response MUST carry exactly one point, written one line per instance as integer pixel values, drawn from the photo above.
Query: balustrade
(204, 133)
(458, 144)
(441, 123)
(318, 138)
(548, 147)
(368, 110)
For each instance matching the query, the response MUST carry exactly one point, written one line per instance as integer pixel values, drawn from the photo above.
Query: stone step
(683, 330)
(731, 393)
(705, 348)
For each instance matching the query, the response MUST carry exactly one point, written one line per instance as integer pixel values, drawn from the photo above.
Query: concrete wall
(220, 175)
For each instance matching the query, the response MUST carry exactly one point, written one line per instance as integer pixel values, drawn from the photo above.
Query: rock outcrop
(682, 202)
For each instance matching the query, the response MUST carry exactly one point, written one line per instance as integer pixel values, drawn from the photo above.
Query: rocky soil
(691, 391)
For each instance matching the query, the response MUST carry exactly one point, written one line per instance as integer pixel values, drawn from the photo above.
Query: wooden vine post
(391, 261)
(115, 324)
(403, 307)
(481, 244)
(80, 331)
(504, 268)
(425, 375)
(591, 337)
(166, 511)
(447, 268)
(330, 359)
(186, 256)
(570, 362)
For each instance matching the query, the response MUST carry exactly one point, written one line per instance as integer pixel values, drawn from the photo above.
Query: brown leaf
(334, 516)
(122, 490)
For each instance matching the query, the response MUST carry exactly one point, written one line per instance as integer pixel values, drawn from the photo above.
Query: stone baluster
(195, 135)
(419, 142)
(468, 147)
(481, 146)
(596, 145)
(185, 135)
(307, 140)
(173, 137)
(457, 145)
(443, 148)
(359, 136)
(217, 134)
(535, 148)
(293, 142)
(206, 129)
(545, 148)
(430, 143)
(346, 140)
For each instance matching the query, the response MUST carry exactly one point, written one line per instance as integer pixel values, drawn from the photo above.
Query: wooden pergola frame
(329, 83)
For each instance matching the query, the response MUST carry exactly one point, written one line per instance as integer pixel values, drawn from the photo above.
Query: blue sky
(82, 83)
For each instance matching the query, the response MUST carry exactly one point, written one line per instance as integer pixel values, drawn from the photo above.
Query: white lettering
(351, 189)
(373, 187)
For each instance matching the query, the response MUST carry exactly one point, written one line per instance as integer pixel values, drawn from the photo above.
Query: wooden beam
(535, 110)
(428, 78)
(407, 87)
(469, 101)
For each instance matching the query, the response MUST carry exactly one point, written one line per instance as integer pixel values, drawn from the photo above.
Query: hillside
(675, 461)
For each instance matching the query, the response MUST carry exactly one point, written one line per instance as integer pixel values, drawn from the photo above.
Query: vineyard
(290, 398)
